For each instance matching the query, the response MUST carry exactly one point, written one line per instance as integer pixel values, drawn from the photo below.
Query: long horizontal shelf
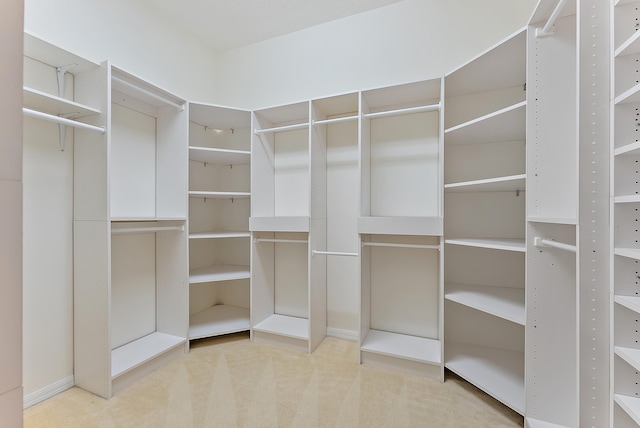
(536, 423)
(498, 372)
(217, 320)
(631, 253)
(631, 406)
(631, 95)
(498, 184)
(222, 234)
(554, 220)
(629, 302)
(121, 228)
(631, 46)
(626, 199)
(494, 244)
(413, 348)
(42, 101)
(218, 195)
(402, 111)
(283, 325)
(630, 355)
(503, 302)
(219, 156)
(427, 226)
(507, 124)
(282, 128)
(219, 273)
(632, 149)
(279, 224)
(138, 352)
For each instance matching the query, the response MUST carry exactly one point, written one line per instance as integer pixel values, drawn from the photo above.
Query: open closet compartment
(625, 154)
(484, 220)
(130, 238)
(288, 221)
(552, 291)
(219, 209)
(400, 227)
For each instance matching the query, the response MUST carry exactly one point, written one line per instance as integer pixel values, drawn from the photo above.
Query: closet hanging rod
(393, 244)
(542, 242)
(547, 29)
(398, 112)
(334, 120)
(281, 241)
(333, 253)
(125, 230)
(61, 120)
(153, 95)
(282, 128)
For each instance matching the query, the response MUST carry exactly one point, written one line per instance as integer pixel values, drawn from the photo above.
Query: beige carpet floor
(231, 382)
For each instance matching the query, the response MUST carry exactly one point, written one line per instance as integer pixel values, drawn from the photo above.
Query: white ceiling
(227, 24)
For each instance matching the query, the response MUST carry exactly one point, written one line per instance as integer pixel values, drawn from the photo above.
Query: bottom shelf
(283, 325)
(132, 355)
(535, 423)
(631, 406)
(498, 372)
(413, 348)
(217, 320)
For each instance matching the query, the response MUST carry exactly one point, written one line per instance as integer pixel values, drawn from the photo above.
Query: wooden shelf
(494, 244)
(631, 406)
(631, 253)
(218, 273)
(218, 195)
(512, 183)
(413, 348)
(222, 234)
(297, 328)
(217, 320)
(629, 302)
(52, 104)
(503, 302)
(498, 372)
(134, 354)
(219, 156)
(507, 124)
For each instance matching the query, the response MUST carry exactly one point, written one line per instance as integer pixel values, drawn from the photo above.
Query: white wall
(132, 37)
(406, 41)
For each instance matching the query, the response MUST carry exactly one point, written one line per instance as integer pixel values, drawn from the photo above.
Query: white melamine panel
(220, 215)
(52, 104)
(404, 346)
(279, 224)
(630, 405)
(220, 178)
(132, 355)
(432, 226)
(172, 302)
(217, 320)
(133, 287)
(221, 272)
(171, 159)
(291, 173)
(505, 124)
(283, 325)
(511, 183)
(291, 278)
(133, 164)
(404, 170)
(480, 266)
(219, 156)
(627, 175)
(503, 302)
(625, 219)
(471, 162)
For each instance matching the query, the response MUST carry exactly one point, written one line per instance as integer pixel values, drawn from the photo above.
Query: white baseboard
(47, 392)
(342, 334)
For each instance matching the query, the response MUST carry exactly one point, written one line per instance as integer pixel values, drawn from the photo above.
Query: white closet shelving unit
(400, 226)
(552, 291)
(625, 158)
(288, 221)
(484, 193)
(130, 241)
(219, 207)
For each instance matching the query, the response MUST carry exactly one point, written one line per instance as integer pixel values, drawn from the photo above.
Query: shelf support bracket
(62, 72)
(549, 28)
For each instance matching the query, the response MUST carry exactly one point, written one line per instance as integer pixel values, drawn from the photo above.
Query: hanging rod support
(543, 242)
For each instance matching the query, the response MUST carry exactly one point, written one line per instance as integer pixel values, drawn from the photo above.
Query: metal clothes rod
(546, 30)
(285, 241)
(61, 120)
(282, 128)
(392, 244)
(124, 230)
(542, 242)
(337, 119)
(333, 253)
(403, 111)
(148, 93)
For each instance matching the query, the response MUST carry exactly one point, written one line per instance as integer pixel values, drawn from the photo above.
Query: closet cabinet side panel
(262, 280)
(92, 294)
(172, 285)
(262, 170)
(171, 163)
(552, 179)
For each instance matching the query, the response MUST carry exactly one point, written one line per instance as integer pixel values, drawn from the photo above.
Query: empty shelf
(626, 199)
(413, 348)
(218, 195)
(218, 273)
(41, 101)
(217, 320)
(630, 355)
(507, 124)
(535, 423)
(138, 352)
(512, 183)
(503, 302)
(284, 325)
(219, 156)
(629, 302)
(631, 253)
(219, 235)
(630, 46)
(494, 244)
(631, 95)
(498, 372)
(632, 149)
(426, 226)
(631, 405)
(279, 224)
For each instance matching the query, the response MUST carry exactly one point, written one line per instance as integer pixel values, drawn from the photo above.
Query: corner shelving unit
(484, 227)
(219, 206)
(288, 221)
(400, 226)
(130, 239)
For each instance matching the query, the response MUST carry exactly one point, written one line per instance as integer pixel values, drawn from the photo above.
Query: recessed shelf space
(214, 156)
(630, 405)
(419, 349)
(506, 124)
(284, 325)
(513, 183)
(55, 105)
(132, 355)
(218, 273)
(218, 320)
(503, 302)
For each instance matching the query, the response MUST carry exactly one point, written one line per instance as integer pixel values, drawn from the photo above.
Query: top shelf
(219, 156)
(52, 104)
(133, 86)
(49, 54)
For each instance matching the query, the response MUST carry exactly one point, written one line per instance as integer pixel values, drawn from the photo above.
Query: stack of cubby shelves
(626, 203)
(219, 206)
(484, 219)
(130, 242)
(400, 226)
